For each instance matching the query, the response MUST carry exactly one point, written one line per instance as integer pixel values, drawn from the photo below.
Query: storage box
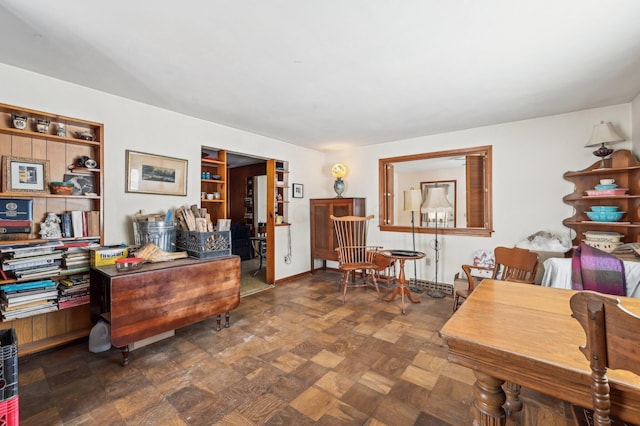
(9, 364)
(10, 412)
(16, 209)
(204, 245)
(107, 255)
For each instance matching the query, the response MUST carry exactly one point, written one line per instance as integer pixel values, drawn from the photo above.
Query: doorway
(247, 209)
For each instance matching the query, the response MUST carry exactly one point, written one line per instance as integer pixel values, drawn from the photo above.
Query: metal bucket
(162, 234)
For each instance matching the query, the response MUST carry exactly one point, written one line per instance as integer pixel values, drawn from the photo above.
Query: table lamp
(338, 171)
(412, 203)
(603, 134)
(438, 204)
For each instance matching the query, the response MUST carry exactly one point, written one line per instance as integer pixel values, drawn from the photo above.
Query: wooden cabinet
(323, 239)
(59, 144)
(625, 169)
(214, 181)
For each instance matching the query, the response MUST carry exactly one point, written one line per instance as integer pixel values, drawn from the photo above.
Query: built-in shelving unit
(214, 181)
(625, 169)
(58, 149)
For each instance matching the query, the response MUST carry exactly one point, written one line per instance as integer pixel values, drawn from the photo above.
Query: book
(15, 223)
(93, 223)
(19, 298)
(77, 223)
(66, 228)
(27, 286)
(29, 312)
(15, 229)
(73, 301)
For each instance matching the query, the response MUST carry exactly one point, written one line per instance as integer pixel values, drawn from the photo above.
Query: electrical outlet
(427, 260)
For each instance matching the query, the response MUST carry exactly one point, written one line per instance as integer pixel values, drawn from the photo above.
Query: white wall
(139, 127)
(529, 158)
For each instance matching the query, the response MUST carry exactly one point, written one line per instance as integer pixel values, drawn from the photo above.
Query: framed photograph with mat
(298, 190)
(20, 174)
(155, 174)
(82, 184)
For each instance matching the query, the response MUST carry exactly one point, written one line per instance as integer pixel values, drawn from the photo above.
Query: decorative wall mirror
(459, 178)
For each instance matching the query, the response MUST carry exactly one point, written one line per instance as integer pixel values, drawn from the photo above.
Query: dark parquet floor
(294, 355)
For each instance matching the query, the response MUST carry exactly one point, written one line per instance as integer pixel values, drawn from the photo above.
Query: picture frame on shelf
(298, 190)
(82, 184)
(22, 174)
(155, 174)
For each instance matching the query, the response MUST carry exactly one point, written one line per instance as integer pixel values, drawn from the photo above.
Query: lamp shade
(412, 200)
(603, 133)
(436, 201)
(338, 171)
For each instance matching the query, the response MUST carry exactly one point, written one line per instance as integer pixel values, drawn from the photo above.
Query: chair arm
(470, 277)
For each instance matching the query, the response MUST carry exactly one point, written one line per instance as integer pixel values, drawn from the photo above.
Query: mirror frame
(485, 231)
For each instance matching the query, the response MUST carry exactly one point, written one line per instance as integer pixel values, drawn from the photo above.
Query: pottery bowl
(605, 216)
(607, 181)
(604, 208)
(61, 188)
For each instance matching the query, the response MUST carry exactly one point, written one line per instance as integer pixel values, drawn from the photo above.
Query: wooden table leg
(218, 321)
(489, 399)
(125, 355)
(226, 319)
(401, 289)
(513, 404)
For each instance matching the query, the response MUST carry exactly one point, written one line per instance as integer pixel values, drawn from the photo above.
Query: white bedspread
(557, 273)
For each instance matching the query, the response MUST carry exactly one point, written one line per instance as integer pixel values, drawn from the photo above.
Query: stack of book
(20, 300)
(32, 262)
(73, 291)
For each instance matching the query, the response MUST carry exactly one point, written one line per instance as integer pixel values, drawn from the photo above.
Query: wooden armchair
(613, 336)
(354, 256)
(511, 264)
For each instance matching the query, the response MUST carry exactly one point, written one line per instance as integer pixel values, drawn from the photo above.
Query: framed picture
(443, 214)
(82, 184)
(156, 174)
(25, 174)
(298, 190)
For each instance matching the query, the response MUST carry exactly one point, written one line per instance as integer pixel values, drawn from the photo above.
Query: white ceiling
(328, 74)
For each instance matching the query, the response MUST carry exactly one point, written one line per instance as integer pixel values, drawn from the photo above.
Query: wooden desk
(160, 297)
(525, 334)
(401, 288)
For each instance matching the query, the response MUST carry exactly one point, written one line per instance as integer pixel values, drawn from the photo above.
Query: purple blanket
(594, 269)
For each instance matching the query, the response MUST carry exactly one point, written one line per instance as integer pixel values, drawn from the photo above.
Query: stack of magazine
(20, 300)
(32, 262)
(73, 291)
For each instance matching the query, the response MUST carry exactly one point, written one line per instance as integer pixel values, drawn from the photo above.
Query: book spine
(4, 223)
(74, 301)
(15, 229)
(65, 225)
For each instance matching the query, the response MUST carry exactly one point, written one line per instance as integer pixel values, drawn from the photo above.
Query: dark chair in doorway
(241, 240)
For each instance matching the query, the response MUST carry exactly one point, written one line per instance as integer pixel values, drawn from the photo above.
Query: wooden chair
(511, 264)
(385, 270)
(613, 336)
(354, 256)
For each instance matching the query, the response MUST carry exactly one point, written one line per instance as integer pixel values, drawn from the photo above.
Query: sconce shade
(436, 201)
(412, 200)
(603, 133)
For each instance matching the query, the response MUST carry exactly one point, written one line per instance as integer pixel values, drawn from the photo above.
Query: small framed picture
(298, 190)
(82, 184)
(25, 174)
